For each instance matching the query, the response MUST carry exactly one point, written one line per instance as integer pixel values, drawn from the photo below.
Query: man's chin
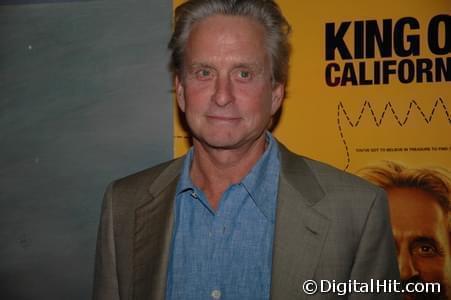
(218, 144)
(225, 142)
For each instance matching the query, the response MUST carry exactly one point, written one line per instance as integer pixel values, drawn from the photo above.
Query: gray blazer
(329, 225)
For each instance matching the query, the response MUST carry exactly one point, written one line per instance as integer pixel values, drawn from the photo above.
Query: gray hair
(266, 12)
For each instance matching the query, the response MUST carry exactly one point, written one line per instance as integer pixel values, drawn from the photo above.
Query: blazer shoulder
(347, 192)
(312, 175)
(145, 177)
(332, 178)
(133, 187)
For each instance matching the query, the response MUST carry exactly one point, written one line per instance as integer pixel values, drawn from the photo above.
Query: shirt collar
(261, 183)
(185, 182)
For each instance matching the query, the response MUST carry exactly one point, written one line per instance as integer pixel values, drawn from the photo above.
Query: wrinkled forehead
(221, 37)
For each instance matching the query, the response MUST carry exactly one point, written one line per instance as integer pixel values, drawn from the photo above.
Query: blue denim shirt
(225, 254)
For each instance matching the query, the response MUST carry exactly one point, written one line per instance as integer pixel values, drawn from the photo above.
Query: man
(419, 208)
(239, 217)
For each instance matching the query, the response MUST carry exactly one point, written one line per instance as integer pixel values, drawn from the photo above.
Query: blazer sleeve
(376, 255)
(105, 272)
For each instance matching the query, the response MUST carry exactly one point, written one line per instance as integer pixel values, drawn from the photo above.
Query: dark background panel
(85, 97)
(20, 2)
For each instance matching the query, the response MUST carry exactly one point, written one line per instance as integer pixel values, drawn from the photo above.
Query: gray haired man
(240, 216)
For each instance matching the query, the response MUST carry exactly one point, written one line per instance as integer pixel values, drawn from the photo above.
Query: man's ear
(179, 93)
(278, 93)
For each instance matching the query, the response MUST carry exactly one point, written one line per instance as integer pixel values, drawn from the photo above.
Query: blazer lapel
(153, 233)
(300, 231)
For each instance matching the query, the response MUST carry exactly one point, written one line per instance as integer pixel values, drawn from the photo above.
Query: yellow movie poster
(369, 93)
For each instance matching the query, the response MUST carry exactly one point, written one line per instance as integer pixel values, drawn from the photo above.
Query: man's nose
(406, 265)
(223, 94)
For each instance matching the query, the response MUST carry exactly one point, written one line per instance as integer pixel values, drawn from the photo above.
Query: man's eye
(203, 74)
(244, 74)
(425, 250)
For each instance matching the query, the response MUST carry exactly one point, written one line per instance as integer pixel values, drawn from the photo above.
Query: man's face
(226, 89)
(420, 229)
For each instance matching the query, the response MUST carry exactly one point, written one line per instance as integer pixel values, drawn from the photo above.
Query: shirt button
(216, 294)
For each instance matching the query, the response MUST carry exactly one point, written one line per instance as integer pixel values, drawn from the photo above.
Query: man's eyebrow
(253, 66)
(426, 240)
(199, 65)
(249, 65)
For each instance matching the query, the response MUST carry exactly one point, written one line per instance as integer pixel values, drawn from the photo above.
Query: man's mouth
(222, 118)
